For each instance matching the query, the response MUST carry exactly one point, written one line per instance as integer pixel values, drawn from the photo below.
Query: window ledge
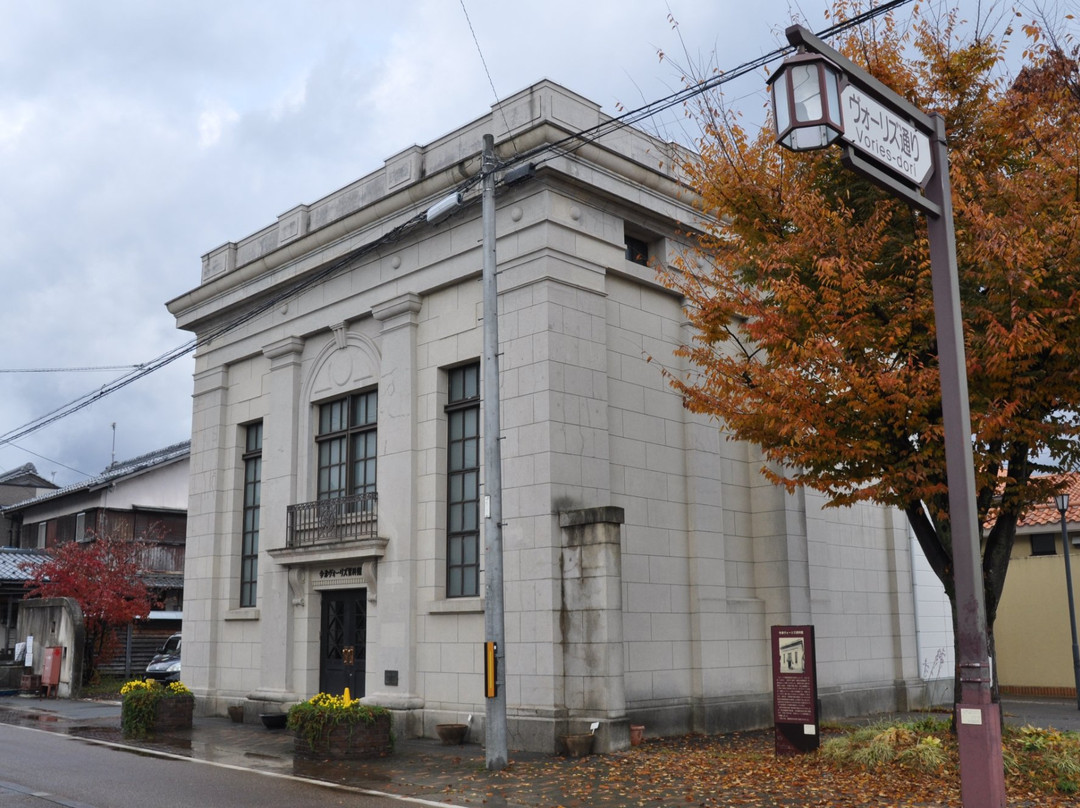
(457, 606)
(249, 613)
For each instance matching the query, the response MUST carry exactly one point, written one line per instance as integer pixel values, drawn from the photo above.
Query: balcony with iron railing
(333, 521)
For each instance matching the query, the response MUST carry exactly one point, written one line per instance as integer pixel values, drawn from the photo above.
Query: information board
(795, 698)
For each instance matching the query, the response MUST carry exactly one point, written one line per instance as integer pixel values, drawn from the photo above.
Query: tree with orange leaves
(102, 576)
(814, 315)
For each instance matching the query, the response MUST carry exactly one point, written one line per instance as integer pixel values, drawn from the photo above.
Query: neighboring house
(1032, 632)
(145, 497)
(15, 486)
(336, 516)
(15, 571)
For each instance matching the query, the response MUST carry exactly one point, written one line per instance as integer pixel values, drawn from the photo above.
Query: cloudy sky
(138, 135)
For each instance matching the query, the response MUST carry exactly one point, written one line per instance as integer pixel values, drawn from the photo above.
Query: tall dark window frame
(249, 549)
(348, 446)
(463, 481)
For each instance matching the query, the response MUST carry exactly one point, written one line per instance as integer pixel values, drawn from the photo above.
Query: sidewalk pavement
(420, 770)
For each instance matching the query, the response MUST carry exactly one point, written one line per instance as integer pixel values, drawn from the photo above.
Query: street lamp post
(902, 149)
(1062, 503)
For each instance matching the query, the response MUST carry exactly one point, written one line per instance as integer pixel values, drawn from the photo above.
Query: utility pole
(494, 623)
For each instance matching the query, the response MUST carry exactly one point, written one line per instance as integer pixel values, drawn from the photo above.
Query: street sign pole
(978, 719)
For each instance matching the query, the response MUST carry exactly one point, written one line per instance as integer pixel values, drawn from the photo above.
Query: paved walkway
(419, 771)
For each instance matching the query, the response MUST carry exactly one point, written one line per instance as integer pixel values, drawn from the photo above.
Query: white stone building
(334, 523)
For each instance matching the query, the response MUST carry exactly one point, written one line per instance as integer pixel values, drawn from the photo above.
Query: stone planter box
(174, 713)
(348, 741)
(170, 714)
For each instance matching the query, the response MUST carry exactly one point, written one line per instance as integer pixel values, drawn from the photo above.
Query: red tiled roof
(1048, 514)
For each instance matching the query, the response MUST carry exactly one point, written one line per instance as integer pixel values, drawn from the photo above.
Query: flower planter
(170, 713)
(347, 740)
(637, 734)
(236, 713)
(173, 713)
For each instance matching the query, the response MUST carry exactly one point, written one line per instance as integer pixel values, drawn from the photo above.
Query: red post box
(50, 671)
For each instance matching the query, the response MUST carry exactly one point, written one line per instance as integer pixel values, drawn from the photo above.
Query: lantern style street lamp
(806, 102)
(899, 147)
(1062, 503)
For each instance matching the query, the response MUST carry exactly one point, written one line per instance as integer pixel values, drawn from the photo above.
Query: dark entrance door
(343, 642)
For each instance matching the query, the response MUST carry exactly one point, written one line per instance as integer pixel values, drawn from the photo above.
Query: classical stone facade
(645, 556)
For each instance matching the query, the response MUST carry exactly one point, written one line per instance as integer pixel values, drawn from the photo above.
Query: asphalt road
(41, 769)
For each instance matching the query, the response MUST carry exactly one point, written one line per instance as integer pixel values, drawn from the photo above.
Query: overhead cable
(535, 156)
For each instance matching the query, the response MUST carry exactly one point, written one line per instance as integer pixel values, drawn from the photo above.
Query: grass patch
(104, 688)
(1046, 759)
(913, 745)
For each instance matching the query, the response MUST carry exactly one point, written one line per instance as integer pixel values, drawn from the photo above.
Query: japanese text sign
(881, 134)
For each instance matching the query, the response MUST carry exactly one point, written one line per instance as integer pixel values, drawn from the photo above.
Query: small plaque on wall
(348, 575)
(390, 678)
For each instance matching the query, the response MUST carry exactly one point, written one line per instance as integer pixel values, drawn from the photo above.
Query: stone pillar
(710, 625)
(279, 461)
(208, 532)
(590, 622)
(392, 636)
(781, 552)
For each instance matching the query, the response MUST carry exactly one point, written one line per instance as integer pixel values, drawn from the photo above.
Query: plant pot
(452, 734)
(579, 745)
(274, 720)
(637, 734)
(169, 713)
(236, 713)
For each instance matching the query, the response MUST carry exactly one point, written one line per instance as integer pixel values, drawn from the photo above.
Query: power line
(70, 370)
(48, 459)
(487, 72)
(560, 148)
(594, 133)
(171, 356)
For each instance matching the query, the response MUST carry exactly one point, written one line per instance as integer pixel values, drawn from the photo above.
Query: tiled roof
(26, 468)
(12, 558)
(115, 471)
(1048, 514)
(162, 580)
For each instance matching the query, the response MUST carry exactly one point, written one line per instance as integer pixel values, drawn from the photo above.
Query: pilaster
(279, 472)
(207, 550)
(392, 634)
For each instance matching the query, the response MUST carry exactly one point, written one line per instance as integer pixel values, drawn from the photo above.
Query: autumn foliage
(811, 298)
(742, 769)
(102, 577)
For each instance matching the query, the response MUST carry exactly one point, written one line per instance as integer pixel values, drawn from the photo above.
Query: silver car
(165, 665)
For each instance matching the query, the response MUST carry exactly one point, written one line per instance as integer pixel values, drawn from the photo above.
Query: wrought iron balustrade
(333, 520)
